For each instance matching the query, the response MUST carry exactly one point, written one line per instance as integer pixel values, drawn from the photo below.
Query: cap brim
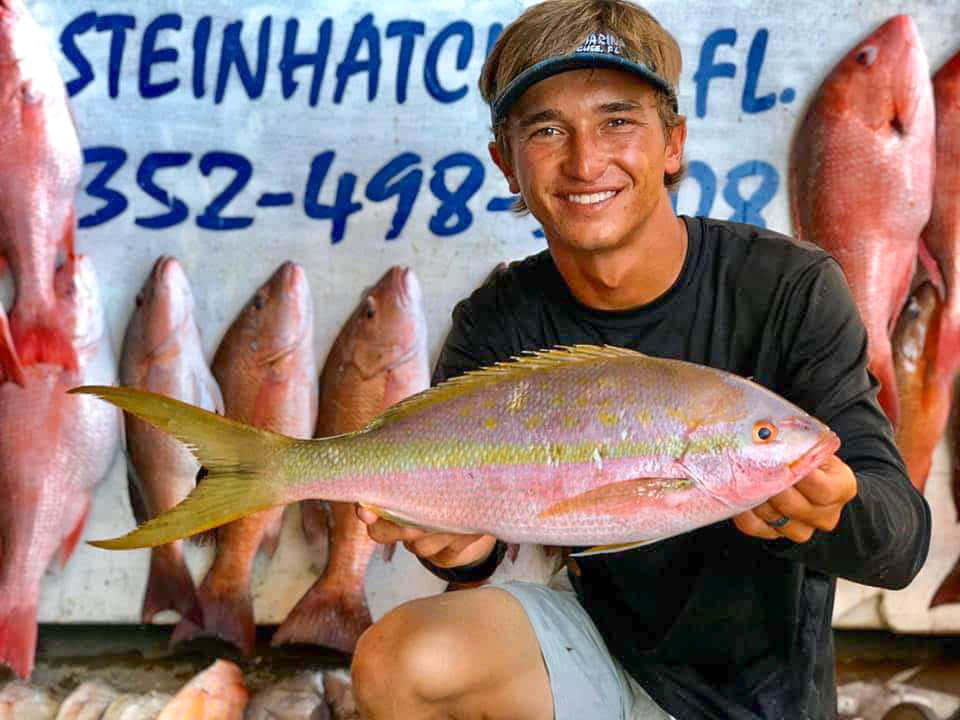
(564, 63)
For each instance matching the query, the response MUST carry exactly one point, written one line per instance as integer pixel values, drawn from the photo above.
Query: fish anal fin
(618, 498)
(929, 263)
(602, 549)
(137, 502)
(39, 344)
(71, 539)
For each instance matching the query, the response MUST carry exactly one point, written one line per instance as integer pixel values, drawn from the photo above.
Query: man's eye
(619, 122)
(545, 132)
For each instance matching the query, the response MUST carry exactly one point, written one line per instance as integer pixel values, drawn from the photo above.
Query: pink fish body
(861, 174)
(162, 352)
(588, 446)
(267, 371)
(40, 164)
(378, 359)
(53, 450)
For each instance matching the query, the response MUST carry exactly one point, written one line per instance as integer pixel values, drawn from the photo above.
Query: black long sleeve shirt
(713, 623)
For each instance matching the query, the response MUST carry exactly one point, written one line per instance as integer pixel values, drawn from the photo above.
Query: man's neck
(629, 276)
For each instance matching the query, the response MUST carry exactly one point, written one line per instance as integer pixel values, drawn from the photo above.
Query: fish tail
(169, 586)
(18, 637)
(227, 614)
(243, 468)
(326, 616)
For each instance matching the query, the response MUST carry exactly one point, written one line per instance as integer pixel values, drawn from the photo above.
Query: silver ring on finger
(779, 522)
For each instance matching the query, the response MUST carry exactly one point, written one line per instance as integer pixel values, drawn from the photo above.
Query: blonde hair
(558, 27)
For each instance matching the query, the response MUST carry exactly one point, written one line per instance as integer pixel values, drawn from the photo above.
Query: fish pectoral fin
(619, 498)
(602, 549)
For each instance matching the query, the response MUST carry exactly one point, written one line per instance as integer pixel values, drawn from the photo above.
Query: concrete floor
(135, 658)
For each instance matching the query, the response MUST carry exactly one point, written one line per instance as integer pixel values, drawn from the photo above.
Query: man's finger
(751, 524)
(367, 515)
(386, 532)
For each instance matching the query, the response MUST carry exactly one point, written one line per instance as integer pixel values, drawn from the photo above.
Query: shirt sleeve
(883, 534)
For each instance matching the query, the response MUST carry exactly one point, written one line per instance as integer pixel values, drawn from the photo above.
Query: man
(729, 621)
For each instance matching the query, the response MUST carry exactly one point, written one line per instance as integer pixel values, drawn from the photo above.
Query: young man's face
(588, 153)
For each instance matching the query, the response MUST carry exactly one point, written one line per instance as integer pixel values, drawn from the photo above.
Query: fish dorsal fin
(518, 367)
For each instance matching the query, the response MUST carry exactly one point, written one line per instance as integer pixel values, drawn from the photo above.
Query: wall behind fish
(351, 137)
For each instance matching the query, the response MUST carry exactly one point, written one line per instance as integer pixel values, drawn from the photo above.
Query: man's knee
(410, 656)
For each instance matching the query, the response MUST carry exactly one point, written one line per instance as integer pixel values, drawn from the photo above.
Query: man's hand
(813, 503)
(443, 550)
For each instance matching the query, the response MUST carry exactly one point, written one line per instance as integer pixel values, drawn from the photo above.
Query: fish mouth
(825, 446)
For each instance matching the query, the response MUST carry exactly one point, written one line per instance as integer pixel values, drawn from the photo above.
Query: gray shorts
(586, 681)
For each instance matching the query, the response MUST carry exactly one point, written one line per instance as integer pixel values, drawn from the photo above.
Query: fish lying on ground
(378, 359)
(89, 701)
(60, 449)
(924, 393)
(586, 446)
(40, 164)
(217, 693)
(295, 698)
(137, 707)
(267, 370)
(338, 691)
(861, 173)
(162, 352)
(21, 701)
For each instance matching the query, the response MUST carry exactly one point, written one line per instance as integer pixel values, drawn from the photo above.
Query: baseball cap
(598, 50)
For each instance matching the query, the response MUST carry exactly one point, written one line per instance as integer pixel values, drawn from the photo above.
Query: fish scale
(423, 463)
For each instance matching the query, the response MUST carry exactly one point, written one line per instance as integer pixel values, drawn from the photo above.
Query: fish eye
(764, 432)
(139, 300)
(371, 308)
(259, 302)
(867, 55)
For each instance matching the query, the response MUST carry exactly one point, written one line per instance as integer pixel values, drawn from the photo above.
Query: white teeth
(592, 198)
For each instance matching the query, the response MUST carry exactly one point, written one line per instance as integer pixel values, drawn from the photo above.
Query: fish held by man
(378, 359)
(861, 179)
(163, 353)
(40, 167)
(601, 447)
(267, 371)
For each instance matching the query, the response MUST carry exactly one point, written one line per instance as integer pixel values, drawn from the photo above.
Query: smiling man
(729, 621)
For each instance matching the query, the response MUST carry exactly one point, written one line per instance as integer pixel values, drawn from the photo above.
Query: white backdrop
(203, 140)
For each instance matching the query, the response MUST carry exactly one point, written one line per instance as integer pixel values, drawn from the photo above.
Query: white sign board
(350, 137)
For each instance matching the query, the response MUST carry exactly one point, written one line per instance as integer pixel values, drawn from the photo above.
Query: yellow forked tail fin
(243, 469)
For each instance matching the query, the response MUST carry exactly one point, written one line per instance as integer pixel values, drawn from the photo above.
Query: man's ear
(673, 152)
(504, 166)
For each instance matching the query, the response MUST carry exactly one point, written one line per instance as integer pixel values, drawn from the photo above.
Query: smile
(591, 198)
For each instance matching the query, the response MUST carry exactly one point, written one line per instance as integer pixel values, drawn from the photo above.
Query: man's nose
(586, 158)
